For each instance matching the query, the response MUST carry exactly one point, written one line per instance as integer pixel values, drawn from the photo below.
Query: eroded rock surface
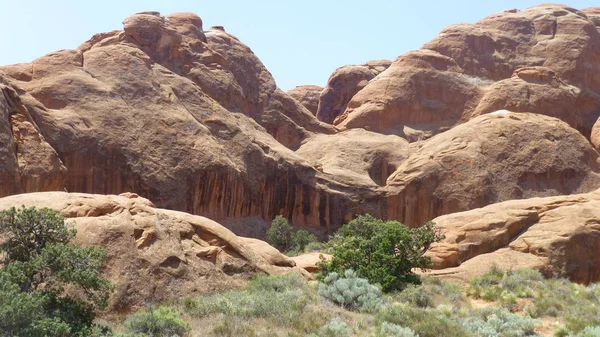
(558, 235)
(187, 118)
(441, 84)
(489, 159)
(155, 254)
(343, 84)
(308, 96)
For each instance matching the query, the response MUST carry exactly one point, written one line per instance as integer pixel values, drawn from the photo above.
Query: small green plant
(351, 292)
(392, 330)
(335, 328)
(277, 283)
(505, 286)
(314, 247)
(590, 331)
(384, 252)
(279, 235)
(281, 299)
(417, 295)
(302, 238)
(233, 328)
(494, 321)
(424, 322)
(159, 322)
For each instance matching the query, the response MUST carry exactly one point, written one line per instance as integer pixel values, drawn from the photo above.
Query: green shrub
(590, 331)
(335, 328)
(277, 283)
(279, 235)
(505, 286)
(302, 238)
(234, 327)
(39, 263)
(424, 322)
(314, 247)
(351, 292)
(393, 330)
(384, 252)
(281, 299)
(159, 322)
(417, 295)
(498, 322)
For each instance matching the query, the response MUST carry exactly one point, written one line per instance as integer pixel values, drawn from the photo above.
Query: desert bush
(335, 328)
(424, 322)
(417, 295)
(279, 235)
(314, 247)
(589, 331)
(39, 264)
(281, 299)
(383, 252)
(159, 322)
(498, 322)
(393, 330)
(277, 283)
(351, 292)
(234, 327)
(302, 238)
(278, 307)
(505, 286)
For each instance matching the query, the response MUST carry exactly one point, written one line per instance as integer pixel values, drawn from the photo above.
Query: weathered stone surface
(489, 159)
(343, 84)
(155, 254)
(193, 126)
(537, 90)
(308, 96)
(29, 163)
(309, 261)
(559, 235)
(595, 137)
(268, 252)
(556, 37)
(417, 96)
(356, 157)
(9, 170)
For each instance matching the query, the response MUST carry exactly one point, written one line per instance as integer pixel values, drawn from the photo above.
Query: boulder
(419, 95)
(155, 255)
(343, 84)
(558, 235)
(492, 158)
(308, 96)
(309, 261)
(534, 89)
(356, 157)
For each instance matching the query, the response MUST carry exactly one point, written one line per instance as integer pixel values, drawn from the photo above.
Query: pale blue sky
(300, 42)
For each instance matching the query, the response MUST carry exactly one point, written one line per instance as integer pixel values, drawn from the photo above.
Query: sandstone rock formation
(309, 261)
(308, 96)
(534, 89)
(29, 163)
(439, 86)
(491, 158)
(417, 95)
(356, 158)
(189, 119)
(155, 254)
(344, 83)
(193, 121)
(559, 235)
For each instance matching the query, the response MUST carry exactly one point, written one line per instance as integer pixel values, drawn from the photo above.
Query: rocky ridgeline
(190, 119)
